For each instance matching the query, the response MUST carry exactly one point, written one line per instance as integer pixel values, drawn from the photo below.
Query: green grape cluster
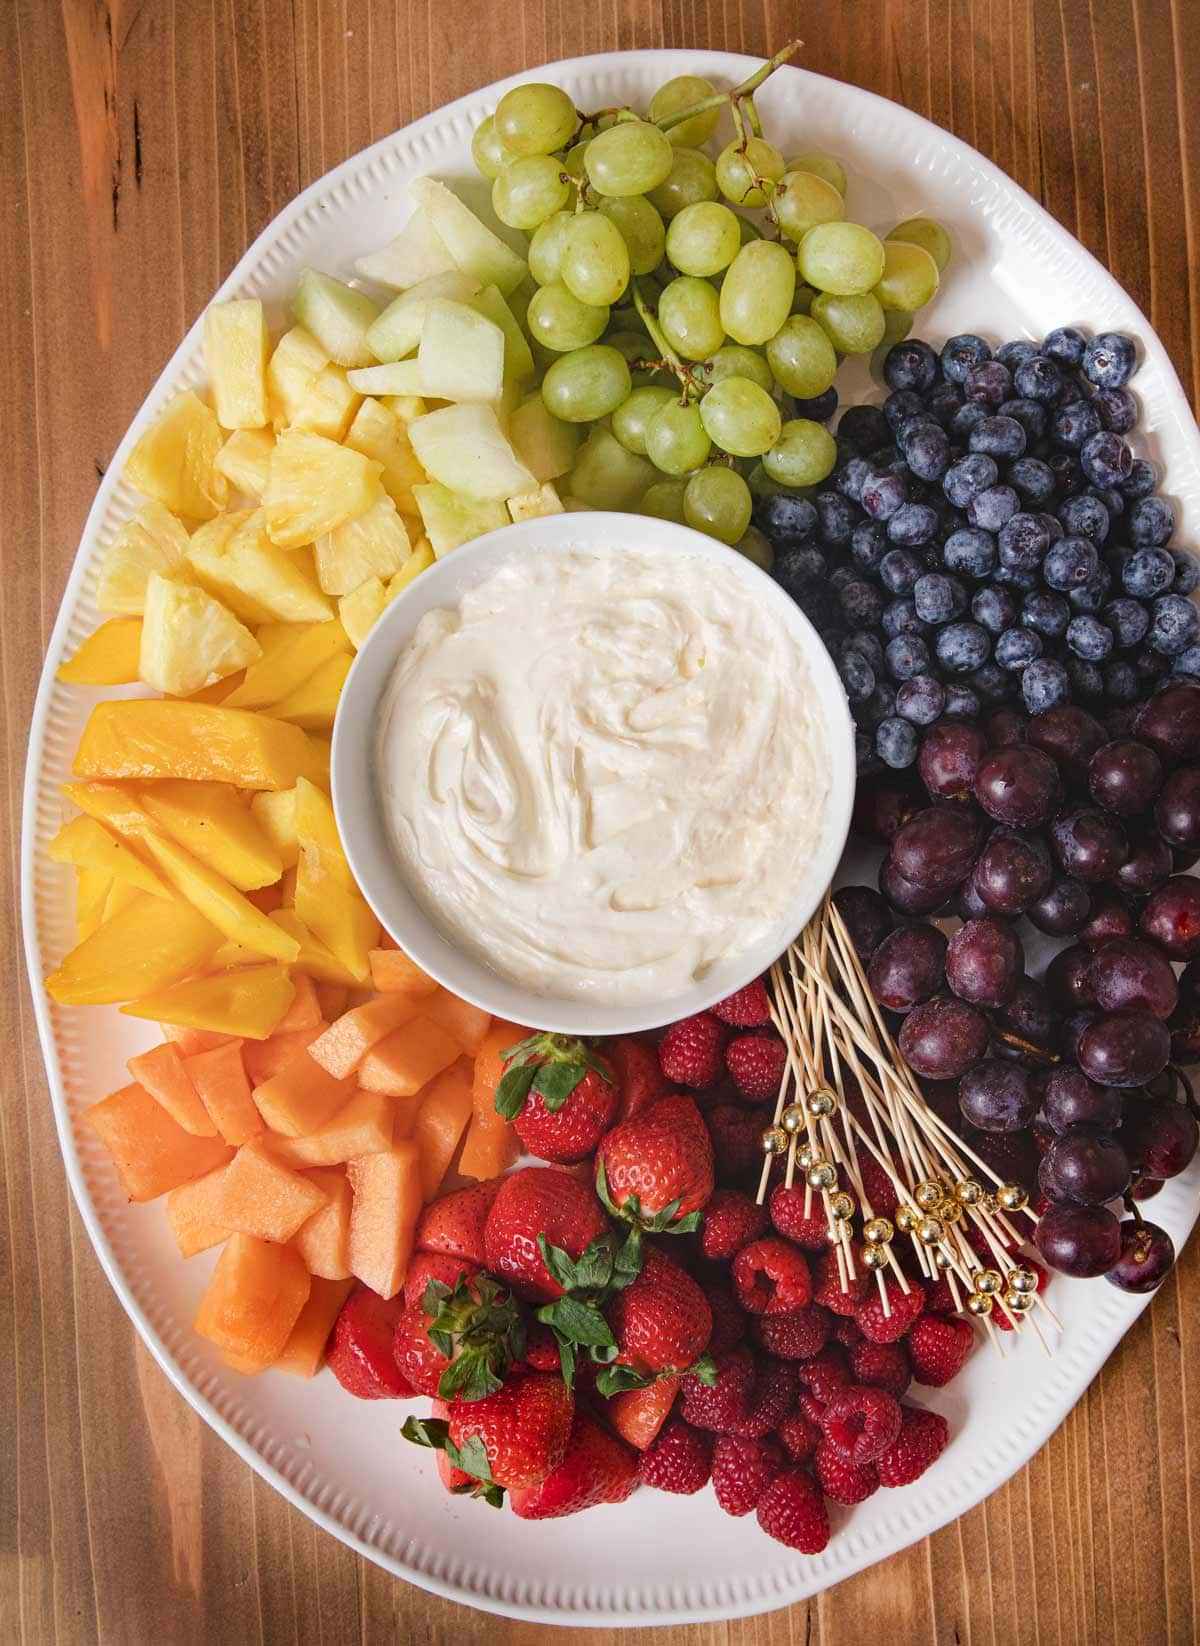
(688, 306)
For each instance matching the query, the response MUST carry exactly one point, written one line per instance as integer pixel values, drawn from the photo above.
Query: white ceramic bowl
(364, 829)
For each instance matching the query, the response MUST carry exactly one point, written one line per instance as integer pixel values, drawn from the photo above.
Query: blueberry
(960, 354)
(1066, 345)
(861, 603)
(1030, 415)
(899, 570)
(1016, 648)
(905, 656)
(927, 450)
(1110, 360)
(864, 428)
(1118, 409)
(991, 508)
(1089, 638)
(858, 677)
(902, 405)
(921, 700)
(990, 382)
(1085, 515)
(910, 365)
(962, 647)
(882, 494)
(1024, 540)
(882, 702)
(1049, 614)
(837, 517)
(799, 567)
(897, 742)
(1070, 563)
(1187, 572)
(1016, 577)
(1128, 620)
(1150, 667)
(1092, 596)
(785, 520)
(970, 551)
(968, 477)
(965, 418)
(851, 476)
(1087, 679)
(1106, 459)
(962, 702)
(942, 402)
(991, 684)
(866, 761)
(939, 599)
(1187, 662)
(820, 409)
(869, 644)
(1012, 354)
(1044, 685)
(1120, 681)
(1039, 378)
(1148, 573)
(1067, 470)
(998, 437)
(1151, 522)
(1074, 423)
(1032, 480)
(1175, 624)
(900, 617)
(1140, 481)
(868, 545)
(995, 608)
(912, 524)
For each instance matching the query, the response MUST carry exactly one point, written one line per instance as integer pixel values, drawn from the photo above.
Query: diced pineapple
(398, 329)
(404, 407)
(398, 377)
(297, 359)
(544, 443)
(416, 253)
(378, 434)
(315, 485)
(173, 461)
(314, 703)
(461, 356)
(244, 460)
(451, 520)
(472, 245)
(235, 352)
(329, 406)
(518, 357)
(256, 579)
(464, 447)
(153, 541)
(336, 315)
(190, 640)
(529, 505)
(421, 557)
(361, 609)
(374, 545)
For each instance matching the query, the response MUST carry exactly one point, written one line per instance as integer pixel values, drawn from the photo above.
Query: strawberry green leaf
(614, 1380)
(554, 1082)
(512, 1090)
(470, 1376)
(599, 1066)
(471, 1457)
(442, 1341)
(582, 1323)
(560, 1264)
(427, 1431)
(704, 1370)
(435, 1293)
(627, 1262)
(488, 1492)
(566, 1358)
(603, 1354)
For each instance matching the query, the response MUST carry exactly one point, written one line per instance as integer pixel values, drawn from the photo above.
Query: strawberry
(905, 1307)
(460, 1341)
(661, 1322)
(639, 1074)
(742, 1470)
(922, 1440)
(736, 1134)
(792, 1510)
(731, 1221)
(881, 1366)
(938, 1349)
(799, 1436)
(596, 1468)
(360, 1349)
(533, 1202)
(808, 1229)
(515, 1437)
(796, 1336)
(657, 1169)
(690, 1051)
(721, 1404)
(841, 1480)
(559, 1094)
(771, 1277)
(748, 1008)
(541, 1349)
(426, 1266)
(679, 1460)
(757, 1066)
(861, 1424)
(638, 1414)
(457, 1481)
(454, 1224)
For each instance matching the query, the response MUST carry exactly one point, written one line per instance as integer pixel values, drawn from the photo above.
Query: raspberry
(828, 1288)
(792, 1511)
(729, 1318)
(923, 1438)
(690, 1051)
(680, 1459)
(771, 1400)
(861, 1423)
(787, 1214)
(799, 1436)
(731, 1221)
(846, 1332)
(881, 1366)
(998, 1316)
(939, 1299)
(749, 1008)
(826, 1374)
(841, 1480)
(757, 1065)
(771, 1277)
(721, 1404)
(736, 1135)
(878, 1187)
(938, 1349)
(905, 1307)
(796, 1336)
(741, 1471)
(810, 1406)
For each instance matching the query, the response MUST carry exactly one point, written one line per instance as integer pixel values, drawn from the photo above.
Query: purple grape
(949, 758)
(905, 897)
(1069, 979)
(1145, 1188)
(1087, 1166)
(1028, 1026)
(969, 905)
(1129, 975)
(1112, 917)
(1063, 910)
(1146, 1259)
(882, 804)
(1171, 721)
(1171, 917)
(907, 967)
(984, 962)
(1018, 786)
(1124, 1051)
(1124, 776)
(1013, 871)
(942, 1038)
(1069, 1098)
(1081, 1241)
(1068, 734)
(1148, 866)
(1089, 844)
(997, 1096)
(937, 847)
(1073, 1029)
(867, 918)
(1161, 1137)
(1177, 810)
(1004, 727)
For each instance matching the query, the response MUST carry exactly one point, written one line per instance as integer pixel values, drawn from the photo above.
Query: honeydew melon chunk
(472, 245)
(465, 449)
(518, 358)
(606, 476)
(544, 443)
(398, 329)
(336, 315)
(461, 356)
(417, 253)
(451, 519)
(397, 377)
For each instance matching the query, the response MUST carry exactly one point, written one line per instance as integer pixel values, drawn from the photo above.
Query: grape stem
(718, 100)
(669, 361)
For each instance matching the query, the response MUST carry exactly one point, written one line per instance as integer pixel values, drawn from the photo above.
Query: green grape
(546, 247)
(535, 119)
(735, 361)
(692, 179)
(528, 191)
(675, 439)
(634, 345)
(910, 276)
(760, 483)
(560, 321)
(757, 547)
(595, 262)
(681, 93)
(821, 165)
(756, 294)
(487, 151)
(801, 357)
(737, 169)
(606, 476)
(803, 301)
(803, 201)
(573, 160)
(586, 384)
(843, 258)
(897, 323)
(925, 232)
(642, 229)
(631, 157)
(740, 417)
(664, 500)
(803, 455)
(689, 312)
(853, 325)
(631, 417)
(748, 230)
(717, 501)
(703, 238)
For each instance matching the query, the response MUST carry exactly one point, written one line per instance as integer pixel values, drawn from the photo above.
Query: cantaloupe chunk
(345, 1043)
(331, 997)
(190, 1041)
(265, 1058)
(163, 1073)
(305, 1009)
(361, 1126)
(443, 1110)
(304, 1352)
(467, 1024)
(152, 1153)
(259, 1196)
(404, 1118)
(301, 1097)
(392, 969)
(491, 1145)
(246, 1002)
(191, 1212)
(383, 1218)
(253, 1300)
(219, 1076)
(402, 1062)
(323, 1240)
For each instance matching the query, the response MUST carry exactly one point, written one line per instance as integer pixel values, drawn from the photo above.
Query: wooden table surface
(142, 146)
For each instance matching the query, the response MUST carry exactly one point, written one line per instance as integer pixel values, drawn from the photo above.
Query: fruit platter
(608, 843)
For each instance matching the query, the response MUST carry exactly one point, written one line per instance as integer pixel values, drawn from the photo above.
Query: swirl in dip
(601, 772)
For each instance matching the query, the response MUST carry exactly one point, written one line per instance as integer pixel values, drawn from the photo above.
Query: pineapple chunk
(244, 459)
(336, 315)
(314, 703)
(297, 359)
(314, 486)
(464, 448)
(421, 557)
(361, 609)
(173, 462)
(544, 443)
(417, 253)
(256, 579)
(398, 329)
(378, 434)
(451, 520)
(329, 406)
(153, 541)
(530, 505)
(461, 356)
(472, 245)
(190, 640)
(374, 545)
(518, 357)
(404, 407)
(235, 352)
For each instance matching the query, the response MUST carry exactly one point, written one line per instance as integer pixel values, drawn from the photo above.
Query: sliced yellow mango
(152, 943)
(219, 902)
(89, 845)
(275, 814)
(247, 1001)
(289, 659)
(313, 705)
(108, 657)
(214, 823)
(91, 894)
(314, 959)
(146, 738)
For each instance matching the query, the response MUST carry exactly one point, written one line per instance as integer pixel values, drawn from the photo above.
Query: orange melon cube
(219, 1076)
(331, 997)
(345, 1043)
(301, 1096)
(491, 1145)
(466, 1023)
(408, 1057)
(323, 1240)
(305, 1009)
(489, 1058)
(383, 1218)
(253, 1300)
(444, 1109)
(164, 1074)
(404, 1118)
(392, 969)
(304, 1352)
(191, 1212)
(190, 1041)
(362, 1126)
(265, 1058)
(259, 1196)
(151, 1151)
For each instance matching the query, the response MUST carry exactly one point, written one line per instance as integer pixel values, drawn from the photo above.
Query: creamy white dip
(602, 772)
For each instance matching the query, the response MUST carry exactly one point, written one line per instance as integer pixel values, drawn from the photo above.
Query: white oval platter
(654, 1559)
